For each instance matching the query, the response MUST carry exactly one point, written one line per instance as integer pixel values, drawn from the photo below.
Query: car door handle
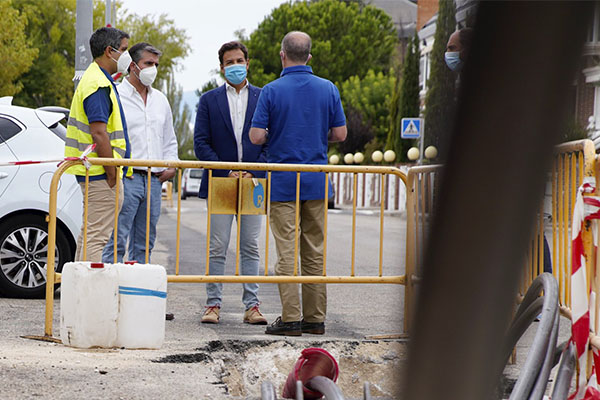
(3, 175)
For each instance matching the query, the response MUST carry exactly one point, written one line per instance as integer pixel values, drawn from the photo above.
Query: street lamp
(334, 159)
(377, 156)
(358, 157)
(349, 158)
(389, 156)
(431, 152)
(413, 153)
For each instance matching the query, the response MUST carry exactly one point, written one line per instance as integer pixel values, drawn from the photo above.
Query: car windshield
(196, 173)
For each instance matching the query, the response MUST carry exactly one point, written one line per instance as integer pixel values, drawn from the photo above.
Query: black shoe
(316, 328)
(284, 328)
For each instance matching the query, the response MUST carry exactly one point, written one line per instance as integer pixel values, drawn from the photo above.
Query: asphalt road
(229, 360)
(354, 311)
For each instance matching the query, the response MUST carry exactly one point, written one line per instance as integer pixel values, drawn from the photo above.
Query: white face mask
(147, 75)
(123, 61)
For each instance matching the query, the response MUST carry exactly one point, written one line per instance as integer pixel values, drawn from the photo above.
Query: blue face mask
(235, 73)
(453, 60)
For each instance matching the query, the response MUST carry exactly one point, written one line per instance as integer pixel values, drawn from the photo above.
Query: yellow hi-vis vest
(78, 128)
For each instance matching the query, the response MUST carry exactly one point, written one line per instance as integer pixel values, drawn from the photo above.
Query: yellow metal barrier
(421, 187)
(237, 203)
(572, 162)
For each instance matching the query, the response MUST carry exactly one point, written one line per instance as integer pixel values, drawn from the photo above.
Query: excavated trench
(239, 367)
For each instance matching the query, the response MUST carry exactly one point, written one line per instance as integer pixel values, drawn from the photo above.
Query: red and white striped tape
(586, 208)
(83, 158)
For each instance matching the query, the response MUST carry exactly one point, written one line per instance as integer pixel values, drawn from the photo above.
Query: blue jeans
(220, 231)
(132, 220)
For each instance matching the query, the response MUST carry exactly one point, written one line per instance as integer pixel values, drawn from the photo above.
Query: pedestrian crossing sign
(411, 128)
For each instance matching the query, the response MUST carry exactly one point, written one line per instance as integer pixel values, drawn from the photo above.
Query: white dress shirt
(149, 125)
(238, 103)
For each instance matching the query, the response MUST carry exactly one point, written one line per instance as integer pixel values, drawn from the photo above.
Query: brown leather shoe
(254, 316)
(211, 315)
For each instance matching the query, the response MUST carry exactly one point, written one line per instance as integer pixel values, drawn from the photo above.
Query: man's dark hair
(465, 36)
(137, 51)
(232, 46)
(106, 37)
(296, 46)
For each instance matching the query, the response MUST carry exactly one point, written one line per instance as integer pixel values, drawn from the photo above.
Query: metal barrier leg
(267, 391)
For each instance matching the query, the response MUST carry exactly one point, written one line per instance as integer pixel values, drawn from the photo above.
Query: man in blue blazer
(221, 134)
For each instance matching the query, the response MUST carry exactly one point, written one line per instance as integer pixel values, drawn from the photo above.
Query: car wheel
(24, 254)
(183, 195)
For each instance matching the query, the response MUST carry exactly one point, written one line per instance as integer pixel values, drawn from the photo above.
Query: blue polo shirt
(298, 109)
(98, 107)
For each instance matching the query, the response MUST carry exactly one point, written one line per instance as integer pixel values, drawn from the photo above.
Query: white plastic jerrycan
(142, 306)
(89, 304)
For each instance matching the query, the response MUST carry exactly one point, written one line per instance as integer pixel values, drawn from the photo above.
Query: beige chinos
(310, 233)
(101, 218)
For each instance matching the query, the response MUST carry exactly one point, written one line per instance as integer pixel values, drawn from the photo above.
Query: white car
(33, 135)
(190, 182)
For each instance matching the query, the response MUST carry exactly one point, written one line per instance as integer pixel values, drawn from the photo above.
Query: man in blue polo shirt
(297, 115)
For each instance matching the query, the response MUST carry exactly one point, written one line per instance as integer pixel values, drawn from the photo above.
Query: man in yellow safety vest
(97, 117)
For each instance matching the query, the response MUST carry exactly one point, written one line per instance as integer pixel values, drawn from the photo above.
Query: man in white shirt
(150, 127)
(221, 134)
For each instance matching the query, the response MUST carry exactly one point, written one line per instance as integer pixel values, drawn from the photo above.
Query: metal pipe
(539, 388)
(520, 325)
(398, 280)
(325, 223)
(51, 261)
(148, 199)
(299, 391)
(83, 32)
(178, 246)
(244, 166)
(326, 386)
(366, 391)
(566, 369)
(268, 212)
(267, 391)
(107, 13)
(543, 337)
(296, 223)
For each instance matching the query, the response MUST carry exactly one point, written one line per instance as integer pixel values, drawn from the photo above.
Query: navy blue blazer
(214, 139)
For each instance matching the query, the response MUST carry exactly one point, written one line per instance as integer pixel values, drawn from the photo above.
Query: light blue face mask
(235, 73)
(453, 60)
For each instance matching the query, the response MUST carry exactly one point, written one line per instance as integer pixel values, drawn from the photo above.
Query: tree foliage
(181, 119)
(16, 52)
(371, 97)
(405, 101)
(163, 34)
(347, 39)
(360, 132)
(51, 30)
(439, 103)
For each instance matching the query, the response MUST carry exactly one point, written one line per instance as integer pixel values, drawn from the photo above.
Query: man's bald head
(296, 46)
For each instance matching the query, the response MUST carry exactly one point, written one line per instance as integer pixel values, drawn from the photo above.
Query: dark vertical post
(512, 99)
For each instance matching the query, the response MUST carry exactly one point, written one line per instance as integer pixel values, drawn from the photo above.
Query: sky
(209, 24)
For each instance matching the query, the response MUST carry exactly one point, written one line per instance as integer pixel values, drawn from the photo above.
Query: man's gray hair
(137, 50)
(296, 46)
